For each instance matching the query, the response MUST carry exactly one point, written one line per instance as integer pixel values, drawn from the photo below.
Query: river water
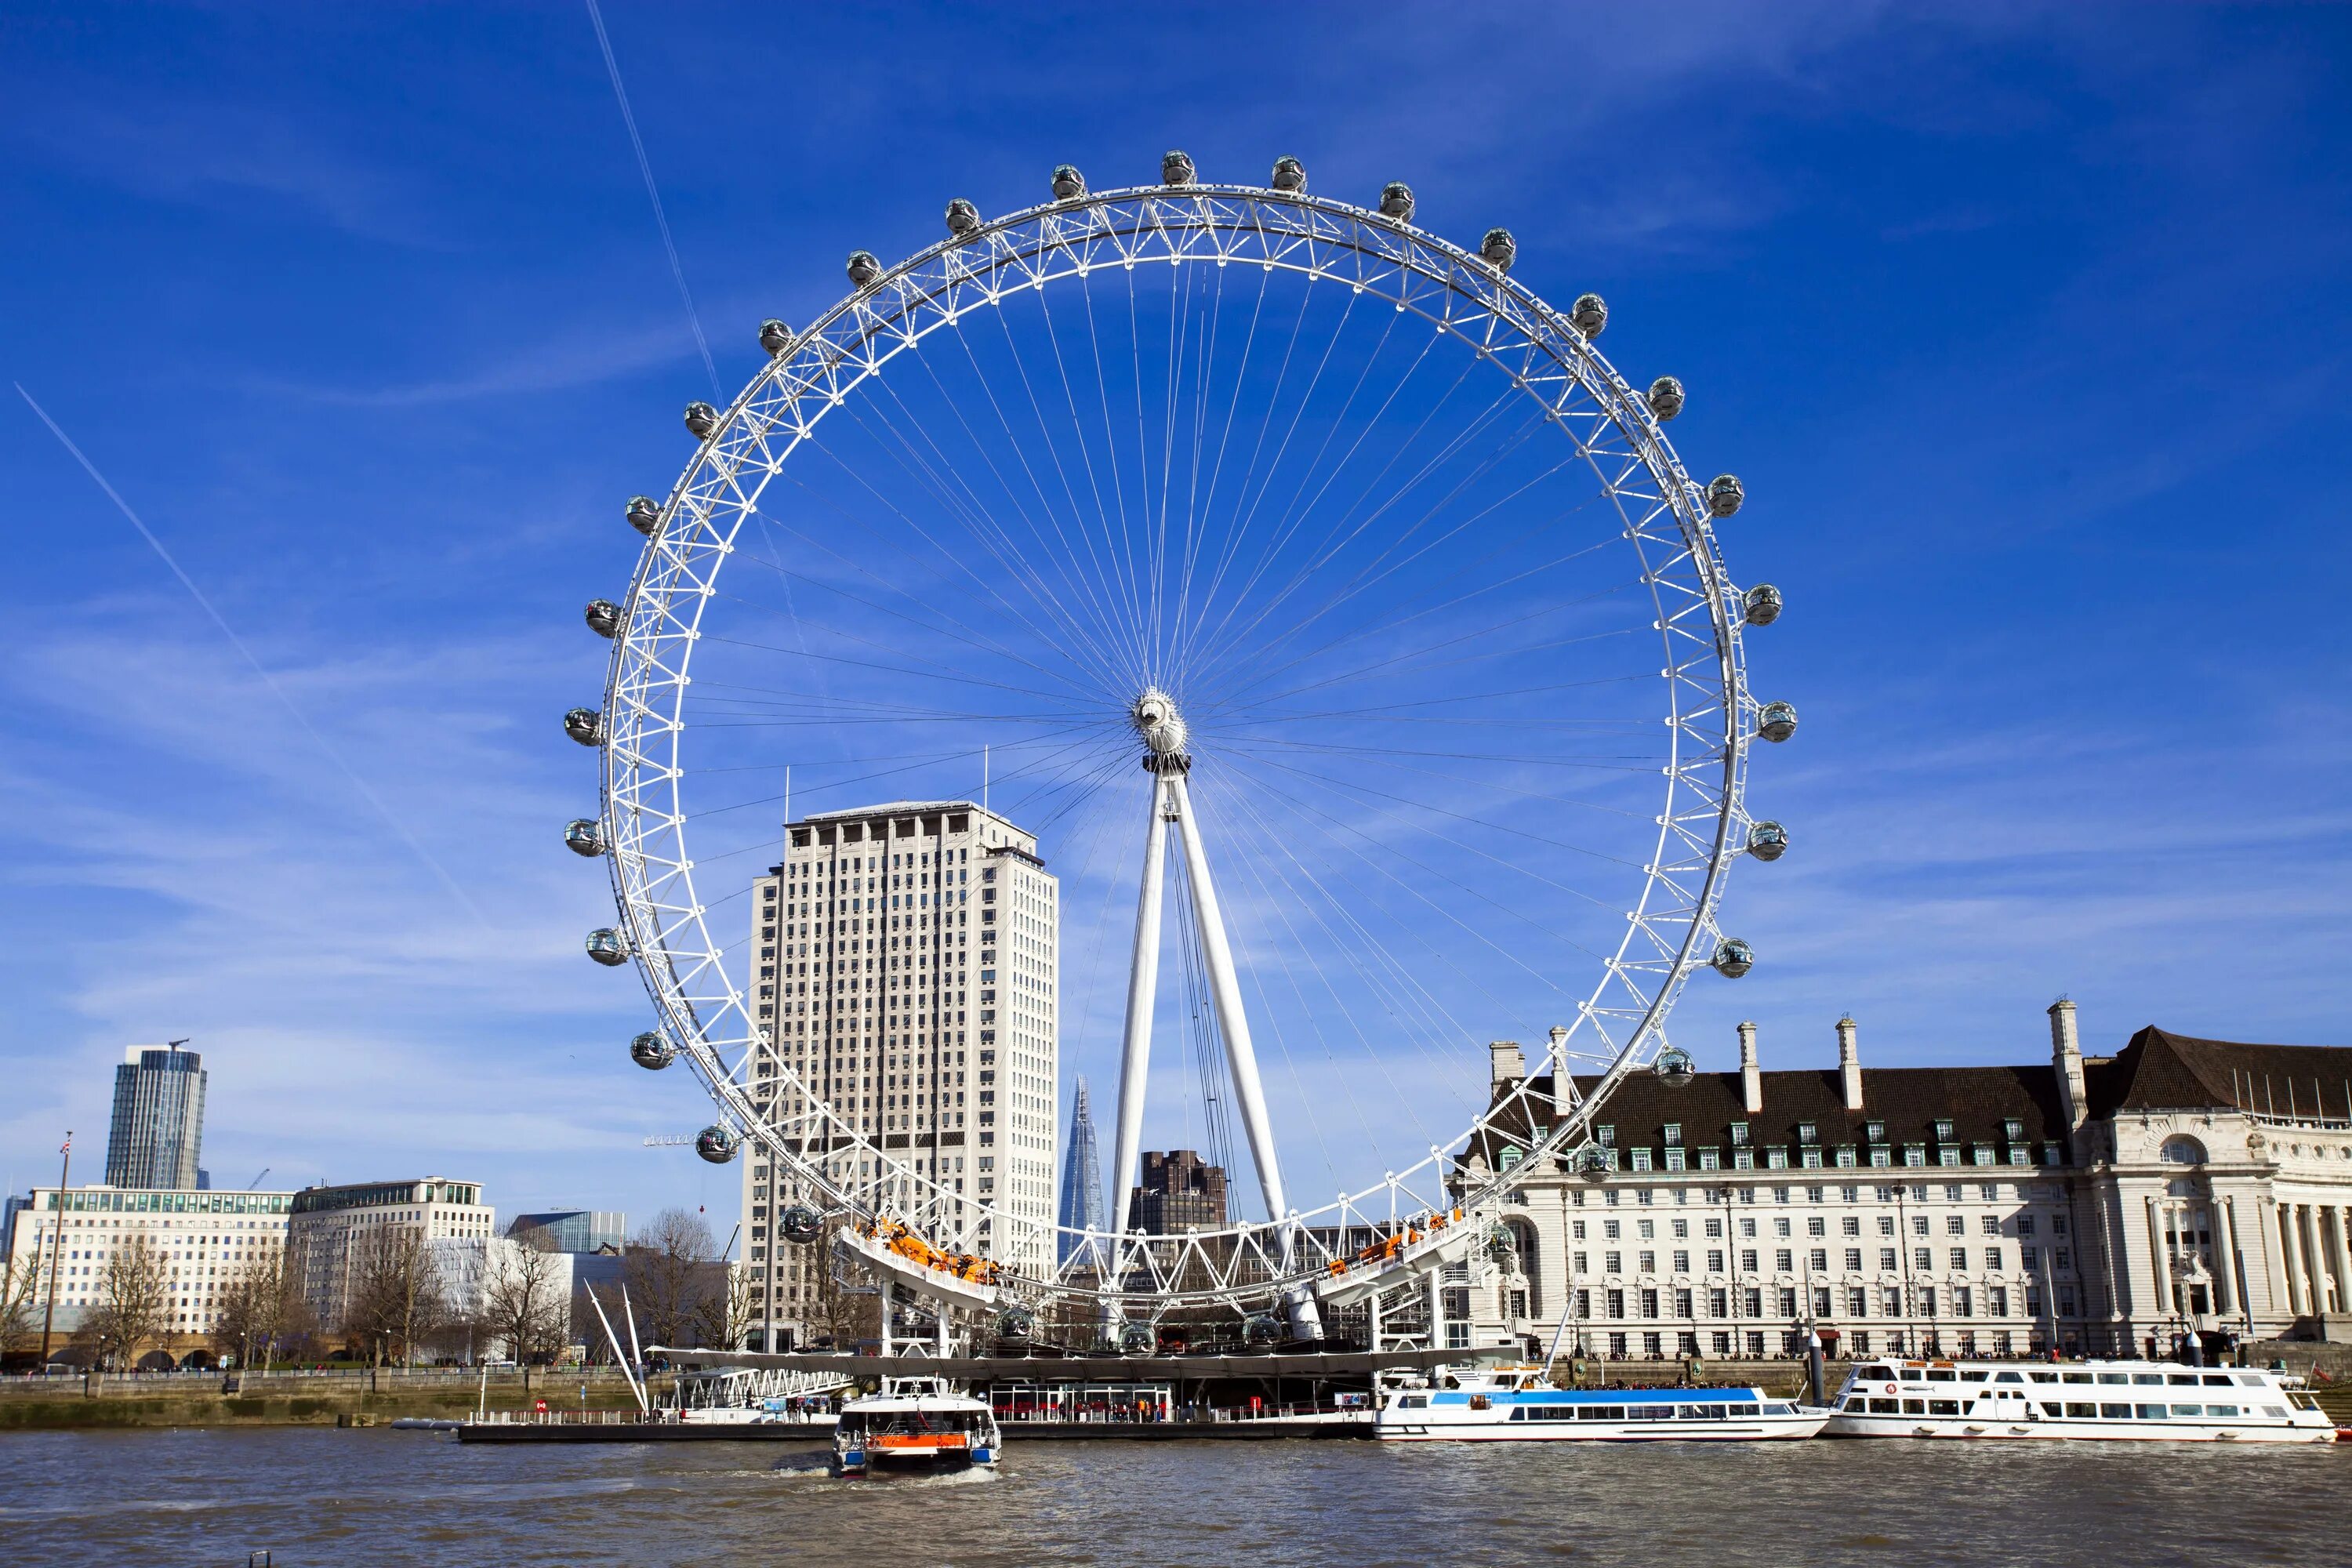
(314, 1498)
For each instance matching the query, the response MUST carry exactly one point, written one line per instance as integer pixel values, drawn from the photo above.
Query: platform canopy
(1094, 1368)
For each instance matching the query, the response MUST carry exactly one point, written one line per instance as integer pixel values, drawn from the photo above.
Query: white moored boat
(2115, 1400)
(1518, 1405)
(915, 1421)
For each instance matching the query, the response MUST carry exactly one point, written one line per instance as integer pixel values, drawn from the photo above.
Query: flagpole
(56, 1252)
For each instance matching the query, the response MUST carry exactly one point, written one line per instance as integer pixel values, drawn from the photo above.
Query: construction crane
(257, 1180)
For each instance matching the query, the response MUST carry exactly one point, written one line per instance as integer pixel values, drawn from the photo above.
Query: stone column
(2328, 1220)
(2315, 1258)
(2274, 1264)
(2225, 1260)
(2298, 1279)
(2161, 1259)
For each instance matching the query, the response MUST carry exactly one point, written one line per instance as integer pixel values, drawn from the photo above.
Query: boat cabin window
(1879, 1372)
(1945, 1376)
(2114, 1377)
(2191, 1411)
(2190, 1379)
(2216, 1380)
(2078, 1377)
(1600, 1412)
(1943, 1407)
(1979, 1376)
(2043, 1376)
(2150, 1412)
(2115, 1412)
(1912, 1374)
(1886, 1407)
(2084, 1410)
(2250, 1379)
(2224, 1412)
(2007, 1377)
(1414, 1402)
(2145, 1377)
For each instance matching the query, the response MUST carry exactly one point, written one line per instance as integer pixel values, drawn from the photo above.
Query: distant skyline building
(327, 1229)
(157, 1133)
(573, 1230)
(1082, 1188)
(1179, 1192)
(904, 970)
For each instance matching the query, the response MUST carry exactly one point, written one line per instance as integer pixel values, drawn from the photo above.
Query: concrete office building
(203, 1240)
(155, 1136)
(904, 969)
(327, 1227)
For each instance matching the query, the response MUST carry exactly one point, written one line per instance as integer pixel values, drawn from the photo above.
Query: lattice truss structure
(1364, 1241)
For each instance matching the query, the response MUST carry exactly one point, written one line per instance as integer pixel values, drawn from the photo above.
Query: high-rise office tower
(1082, 1190)
(1179, 1192)
(158, 1130)
(904, 969)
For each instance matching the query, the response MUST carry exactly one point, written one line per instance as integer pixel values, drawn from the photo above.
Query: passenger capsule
(1768, 840)
(1068, 184)
(718, 1144)
(1776, 721)
(1176, 168)
(775, 336)
(644, 515)
(1674, 1067)
(701, 420)
(1137, 1339)
(1665, 398)
(604, 617)
(1261, 1329)
(1761, 605)
(1289, 175)
(1396, 201)
(864, 269)
(1732, 958)
(963, 218)
(1724, 494)
(652, 1050)
(1593, 1162)
(800, 1224)
(1499, 249)
(1015, 1323)
(585, 725)
(608, 947)
(1588, 315)
(1500, 1245)
(583, 838)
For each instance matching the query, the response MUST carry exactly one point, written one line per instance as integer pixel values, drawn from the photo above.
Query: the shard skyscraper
(1082, 1188)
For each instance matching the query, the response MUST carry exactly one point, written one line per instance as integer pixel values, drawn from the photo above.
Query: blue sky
(2023, 326)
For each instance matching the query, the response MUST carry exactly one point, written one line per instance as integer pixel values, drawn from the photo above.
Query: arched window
(2182, 1152)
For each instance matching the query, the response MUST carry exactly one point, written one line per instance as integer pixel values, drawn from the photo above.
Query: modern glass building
(573, 1230)
(1082, 1188)
(157, 1131)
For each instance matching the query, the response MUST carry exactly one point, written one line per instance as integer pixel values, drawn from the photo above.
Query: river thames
(315, 1498)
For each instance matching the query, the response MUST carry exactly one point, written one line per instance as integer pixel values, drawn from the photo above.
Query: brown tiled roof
(2163, 1071)
(1976, 1100)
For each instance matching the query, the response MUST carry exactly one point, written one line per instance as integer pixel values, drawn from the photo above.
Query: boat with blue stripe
(1518, 1405)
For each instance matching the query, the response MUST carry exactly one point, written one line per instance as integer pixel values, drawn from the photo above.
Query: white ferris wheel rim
(708, 1017)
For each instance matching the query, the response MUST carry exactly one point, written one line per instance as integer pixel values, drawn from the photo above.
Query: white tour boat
(1518, 1405)
(914, 1421)
(2137, 1400)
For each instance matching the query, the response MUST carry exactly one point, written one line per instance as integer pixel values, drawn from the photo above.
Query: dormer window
(1808, 1133)
(1943, 1131)
(1608, 1137)
(1674, 1134)
(2013, 1129)
(1875, 1131)
(1739, 1135)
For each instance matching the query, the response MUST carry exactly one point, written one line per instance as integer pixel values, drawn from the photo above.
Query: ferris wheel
(1315, 605)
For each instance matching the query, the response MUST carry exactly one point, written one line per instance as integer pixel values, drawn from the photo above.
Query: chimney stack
(2066, 1057)
(1507, 1063)
(1848, 1064)
(1751, 1077)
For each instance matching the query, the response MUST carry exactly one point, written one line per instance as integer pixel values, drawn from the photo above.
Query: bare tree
(723, 1316)
(260, 1309)
(841, 1309)
(134, 1293)
(665, 1274)
(523, 1298)
(396, 1292)
(20, 1303)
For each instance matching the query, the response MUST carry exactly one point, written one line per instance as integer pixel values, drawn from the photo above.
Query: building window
(1943, 1130)
(1739, 1134)
(1710, 1159)
(1673, 1133)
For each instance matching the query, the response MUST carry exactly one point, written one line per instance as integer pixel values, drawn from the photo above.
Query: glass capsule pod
(604, 617)
(963, 218)
(1261, 1329)
(583, 838)
(1137, 1339)
(1768, 840)
(585, 725)
(1588, 315)
(1289, 175)
(800, 1224)
(701, 420)
(1665, 398)
(1761, 604)
(652, 1050)
(775, 336)
(1499, 249)
(864, 270)
(1732, 958)
(1776, 721)
(1015, 1323)
(1724, 494)
(1068, 184)
(1593, 1162)
(718, 1144)
(1674, 1067)
(608, 947)
(1396, 201)
(644, 513)
(1500, 1243)
(1176, 168)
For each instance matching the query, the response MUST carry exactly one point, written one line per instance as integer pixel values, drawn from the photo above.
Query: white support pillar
(2161, 1257)
(1142, 996)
